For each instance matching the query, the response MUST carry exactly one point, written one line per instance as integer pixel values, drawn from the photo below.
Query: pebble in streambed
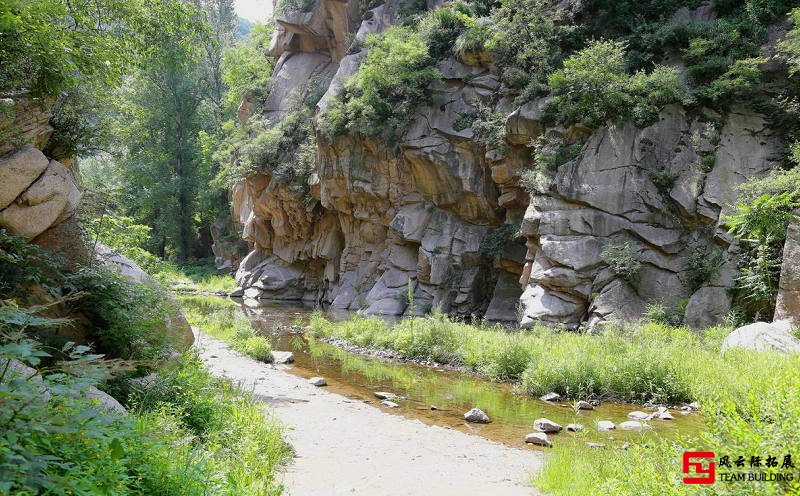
(318, 381)
(476, 416)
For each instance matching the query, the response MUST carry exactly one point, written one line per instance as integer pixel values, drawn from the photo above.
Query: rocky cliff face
(38, 195)
(423, 212)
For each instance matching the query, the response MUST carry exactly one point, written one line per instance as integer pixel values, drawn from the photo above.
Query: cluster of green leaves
(392, 81)
(246, 68)
(594, 87)
(702, 265)
(188, 434)
(623, 259)
(761, 225)
(497, 241)
(549, 153)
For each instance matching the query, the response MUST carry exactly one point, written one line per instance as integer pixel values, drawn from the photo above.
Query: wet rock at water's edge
(318, 381)
(539, 439)
(546, 425)
(476, 416)
(605, 425)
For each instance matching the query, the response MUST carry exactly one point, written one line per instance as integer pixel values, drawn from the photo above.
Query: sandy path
(344, 446)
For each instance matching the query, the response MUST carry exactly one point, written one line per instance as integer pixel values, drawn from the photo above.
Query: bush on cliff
(392, 81)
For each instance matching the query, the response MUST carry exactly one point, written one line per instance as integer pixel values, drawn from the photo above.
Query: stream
(440, 396)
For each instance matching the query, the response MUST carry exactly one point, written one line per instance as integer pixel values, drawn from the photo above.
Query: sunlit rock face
(384, 216)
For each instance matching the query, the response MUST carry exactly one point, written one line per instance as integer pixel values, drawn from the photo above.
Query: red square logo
(702, 475)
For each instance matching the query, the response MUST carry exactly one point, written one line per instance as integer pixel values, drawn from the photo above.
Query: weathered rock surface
(763, 336)
(633, 425)
(539, 439)
(318, 381)
(605, 425)
(546, 425)
(788, 306)
(383, 217)
(476, 416)
(281, 357)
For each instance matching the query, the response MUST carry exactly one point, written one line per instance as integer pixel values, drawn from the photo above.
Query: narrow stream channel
(451, 393)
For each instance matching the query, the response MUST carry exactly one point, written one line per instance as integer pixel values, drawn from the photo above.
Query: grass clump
(226, 324)
(640, 363)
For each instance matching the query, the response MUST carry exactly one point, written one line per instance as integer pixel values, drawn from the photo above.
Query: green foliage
(125, 236)
(623, 259)
(23, 264)
(496, 241)
(702, 265)
(664, 180)
(549, 153)
(528, 40)
(393, 80)
(790, 46)
(659, 313)
(246, 68)
(489, 128)
(440, 28)
(637, 363)
(48, 46)
(594, 87)
(743, 413)
(765, 219)
(227, 324)
(128, 320)
(189, 435)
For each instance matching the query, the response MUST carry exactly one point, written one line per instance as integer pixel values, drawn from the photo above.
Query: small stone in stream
(282, 357)
(213, 356)
(538, 438)
(664, 416)
(625, 446)
(605, 425)
(382, 395)
(433, 407)
(637, 415)
(574, 427)
(662, 409)
(546, 425)
(694, 405)
(318, 381)
(633, 425)
(584, 405)
(476, 416)
(389, 404)
(686, 409)
(596, 445)
(550, 397)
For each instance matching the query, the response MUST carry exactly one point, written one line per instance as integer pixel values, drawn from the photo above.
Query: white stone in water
(665, 416)
(595, 445)
(539, 439)
(546, 425)
(476, 416)
(318, 381)
(637, 415)
(389, 404)
(550, 397)
(574, 427)
(605, 425)
(633, 425)
(383, 395)
(584, 405)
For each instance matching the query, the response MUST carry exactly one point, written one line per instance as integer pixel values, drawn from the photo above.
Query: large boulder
(50, 199)
(707, 307)
(18, 171)
(763, 336)
(788, 305)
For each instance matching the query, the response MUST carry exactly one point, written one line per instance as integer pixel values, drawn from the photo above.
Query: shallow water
(451, 393)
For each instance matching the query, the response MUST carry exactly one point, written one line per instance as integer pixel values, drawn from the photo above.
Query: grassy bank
(749, 400)
(200, 277)
(218, 318)
(643, 363)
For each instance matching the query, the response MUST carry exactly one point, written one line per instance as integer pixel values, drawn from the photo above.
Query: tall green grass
(650, 362)
(219, 318)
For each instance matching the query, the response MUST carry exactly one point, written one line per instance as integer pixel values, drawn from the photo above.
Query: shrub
(246, 68)
(594, 87)
(440, 28)
(623, 259)
(496, 241)
(391, 82)
(702, 264)
(291, 6)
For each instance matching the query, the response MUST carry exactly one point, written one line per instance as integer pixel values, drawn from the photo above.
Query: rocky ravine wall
(384, 216)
